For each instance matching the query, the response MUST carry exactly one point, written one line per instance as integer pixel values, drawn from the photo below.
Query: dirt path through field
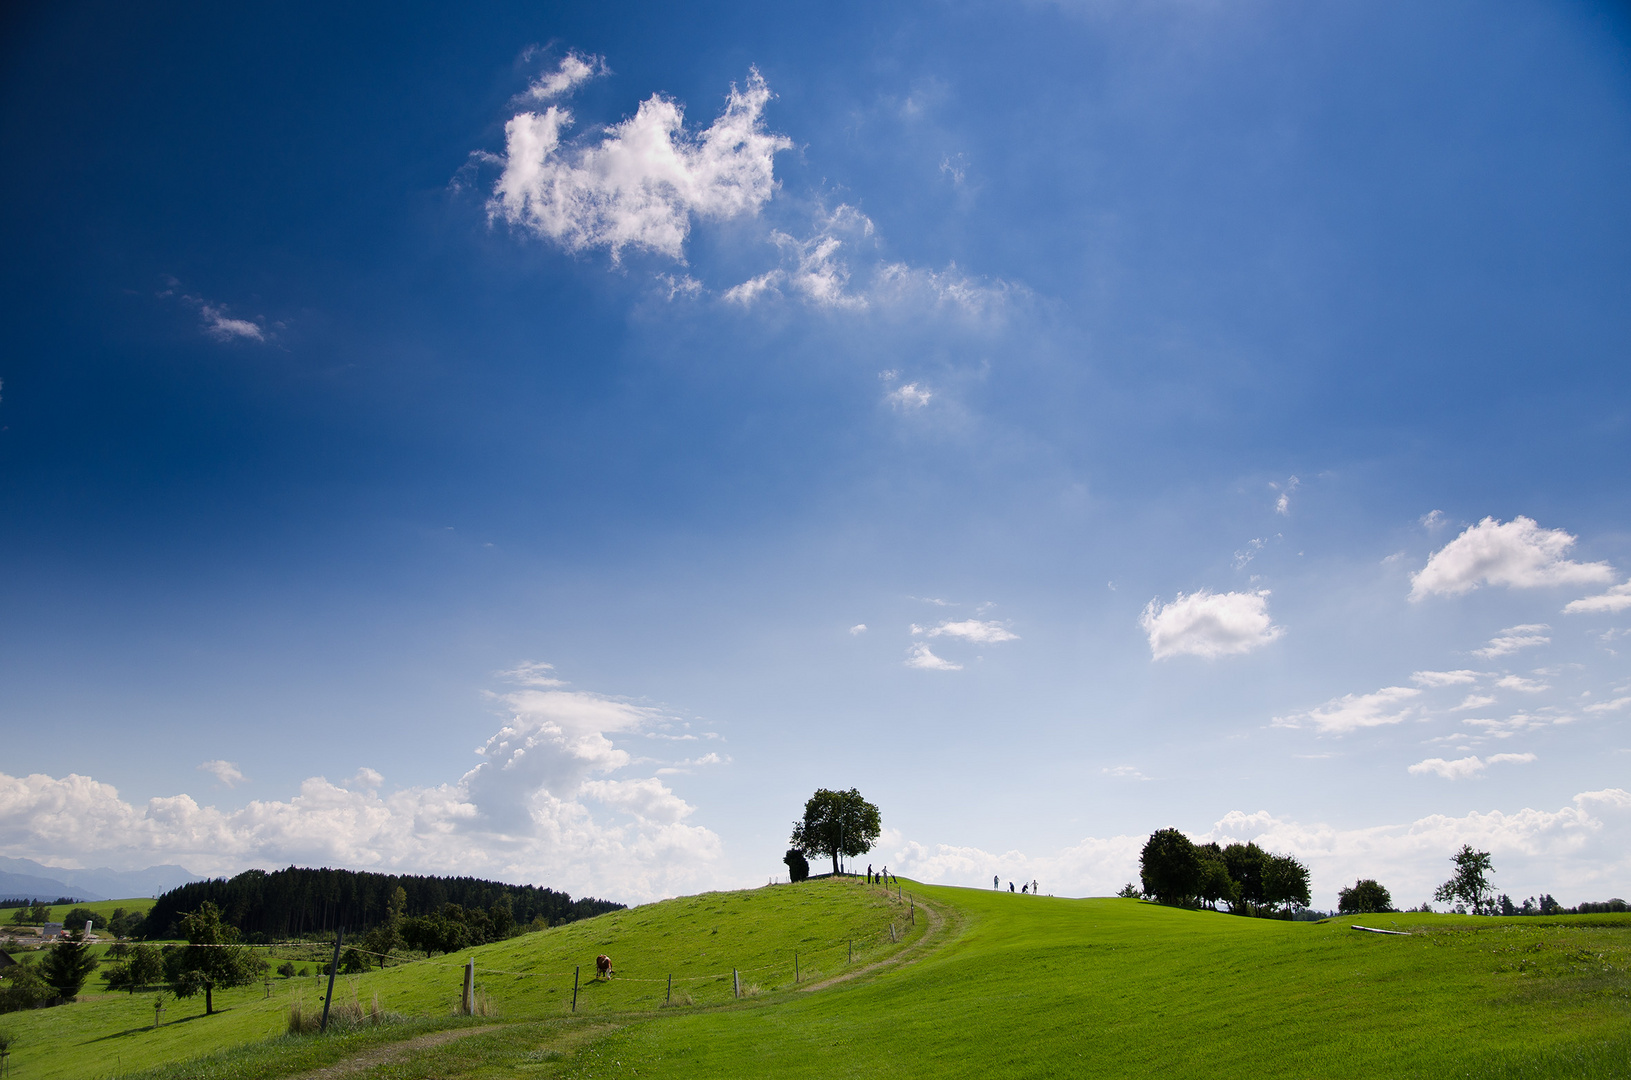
(909, 955)
(381, 1055)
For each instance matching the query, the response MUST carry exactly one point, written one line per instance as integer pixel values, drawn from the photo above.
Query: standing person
(995, 884)
(1010, 886)
(869, 873)
(1036, 890)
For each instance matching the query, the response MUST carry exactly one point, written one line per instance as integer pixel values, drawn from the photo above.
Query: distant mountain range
(28, 880)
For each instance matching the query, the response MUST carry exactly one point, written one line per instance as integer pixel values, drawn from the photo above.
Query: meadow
(981, 983)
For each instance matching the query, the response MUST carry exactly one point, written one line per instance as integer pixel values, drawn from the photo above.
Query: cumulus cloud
(1519, 683)
(1519, 554)
(975, 630)
(1444, 678)
(858, 628)
(1209, 624)
(1612, 602)
(1514, 638)
(573, 70)
(644, 181)
(909, 396)
(543, 805)
(225, 772)
(1579, 852)
(1462, 768)
(1353, 712)
(920, 656)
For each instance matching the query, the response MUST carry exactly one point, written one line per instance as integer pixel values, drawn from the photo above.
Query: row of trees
(1175, 870)
(299, 902)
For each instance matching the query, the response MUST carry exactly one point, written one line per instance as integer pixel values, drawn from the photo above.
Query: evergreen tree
(67, 965)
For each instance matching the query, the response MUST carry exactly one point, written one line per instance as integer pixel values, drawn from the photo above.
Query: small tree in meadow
(1170, 867)
(1364, 897)
(798, 867)
(1470, 883)
(212, 959)
(67, 965)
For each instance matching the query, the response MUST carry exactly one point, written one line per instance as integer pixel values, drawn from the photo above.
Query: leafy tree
(1285, 881)
(1548, 906)
(142, 966)
(124, 923)
(1245, 863)
(20, 916)
(1215, 883)
(286, 969)
(353, 963)
(211, 960)
(1170, 867)
(1366, 896)
(837, 823)
(1469, 884)
(77, 918)
(67, 965)
(1129, 891)
(39, 914)
(21, 987)
(798, 867)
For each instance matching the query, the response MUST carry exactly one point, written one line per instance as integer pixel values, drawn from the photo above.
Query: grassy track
(1014, 986)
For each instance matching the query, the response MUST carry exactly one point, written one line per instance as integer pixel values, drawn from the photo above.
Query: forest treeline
(300, 902)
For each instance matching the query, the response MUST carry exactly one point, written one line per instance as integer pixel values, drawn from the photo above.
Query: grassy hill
(993, 983)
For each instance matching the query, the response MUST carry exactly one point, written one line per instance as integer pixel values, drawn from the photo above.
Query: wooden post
(913, 901)
(891, 933)
(852, 950)
(333, 967)
(736, 982)
(575, 988)
(669, 1000)
(795, 965)
(470, 987)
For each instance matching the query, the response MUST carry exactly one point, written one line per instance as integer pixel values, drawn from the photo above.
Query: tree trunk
(209, 1002)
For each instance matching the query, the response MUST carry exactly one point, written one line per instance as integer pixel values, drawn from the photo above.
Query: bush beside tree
(1364, 897)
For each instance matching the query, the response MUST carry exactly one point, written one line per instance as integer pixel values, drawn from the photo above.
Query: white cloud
(1462, 768)
(1514, 638)
(1513, 725)
(1608, 706)
(1579, 852)
(1353, 712)
(923, 658)
(1124, 772)
(909, 396)
(981, 633)
(751, 289)
(222, 327)
(1444, 678)
(1282, 505)
(858, 628)
(1518, 682)
(1614, 601)
(523, 814)
(225, 772)
(1432, 520)
(573, 70)
(1519, 554)
(1209, 624)
(1474, 701)
(645, 180)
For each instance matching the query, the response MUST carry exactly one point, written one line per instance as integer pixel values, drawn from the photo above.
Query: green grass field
(994, 983)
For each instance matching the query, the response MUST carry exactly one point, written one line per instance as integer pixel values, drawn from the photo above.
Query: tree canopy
(837, 823)
(1470, 883)
(1365, 896)
(1175, 870)
(211, 960)
(67, 965)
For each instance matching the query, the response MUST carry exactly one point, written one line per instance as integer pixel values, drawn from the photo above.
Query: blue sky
(548, 442)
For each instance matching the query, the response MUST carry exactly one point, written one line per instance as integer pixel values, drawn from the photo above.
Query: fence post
(470, 987)
(669, 1000)
(795, 965)
(575, 987)
(736, 982)
(913, 902)
(852, 950)
(339, 936)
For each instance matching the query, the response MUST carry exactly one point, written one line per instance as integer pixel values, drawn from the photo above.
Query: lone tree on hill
(837, 823)
(1366, 896)
(798, 867)
(1285, 881)
(1470, 883)
(211, 960)
(1170, 867)
(68, 965)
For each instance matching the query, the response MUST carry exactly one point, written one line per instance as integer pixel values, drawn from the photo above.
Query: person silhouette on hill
(995, 883)
(1024, 888)
(1010, 886)
(869, 873)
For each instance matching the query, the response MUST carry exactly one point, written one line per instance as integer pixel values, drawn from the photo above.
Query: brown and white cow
(603, 966)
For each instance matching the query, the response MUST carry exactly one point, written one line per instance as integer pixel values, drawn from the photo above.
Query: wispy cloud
(1209, 624)
(1514, 638)
(1612, 602)
(1521, 684)
(1124, 772)
(920, 656)
(1282, 505)
(226, 773)
(1444, 678)
(1463, 768)
(1519, 555)
(1353, 712)
(975, 630)
(573, 70)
